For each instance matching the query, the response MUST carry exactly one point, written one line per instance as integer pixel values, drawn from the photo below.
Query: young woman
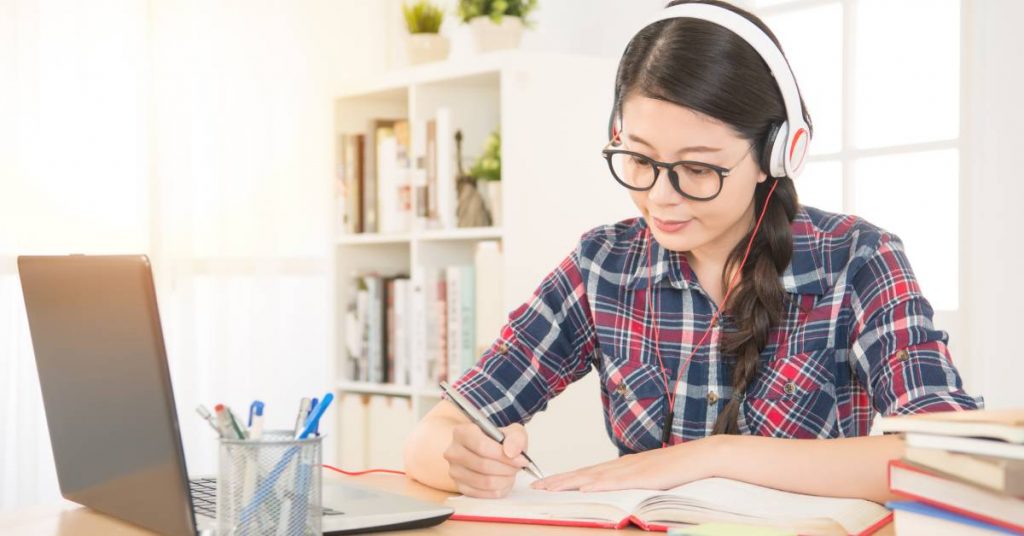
(737, 333)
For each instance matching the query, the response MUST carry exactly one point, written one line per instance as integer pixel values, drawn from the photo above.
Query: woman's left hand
(662, 468)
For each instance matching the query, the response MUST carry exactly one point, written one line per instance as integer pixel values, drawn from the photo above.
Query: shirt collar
(804, 275)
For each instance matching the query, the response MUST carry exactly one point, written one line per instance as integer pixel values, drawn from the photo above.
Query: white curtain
(196, 132)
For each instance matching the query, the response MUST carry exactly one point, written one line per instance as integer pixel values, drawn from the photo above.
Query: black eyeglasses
(693, 180)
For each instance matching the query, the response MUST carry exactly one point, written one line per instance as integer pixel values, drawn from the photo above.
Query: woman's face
(668, 132)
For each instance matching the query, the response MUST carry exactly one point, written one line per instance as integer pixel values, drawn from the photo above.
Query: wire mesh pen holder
(269, 486)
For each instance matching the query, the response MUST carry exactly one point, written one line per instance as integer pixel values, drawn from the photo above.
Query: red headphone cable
(666, 432)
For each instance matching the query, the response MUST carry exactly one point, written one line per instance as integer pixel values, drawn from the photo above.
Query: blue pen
(312, 406)
(256, 408)
(314, 417)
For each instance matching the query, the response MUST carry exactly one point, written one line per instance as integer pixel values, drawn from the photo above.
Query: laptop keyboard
(204, 498)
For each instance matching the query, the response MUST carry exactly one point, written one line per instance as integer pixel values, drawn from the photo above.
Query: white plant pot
(491, 192)
(426, 47)
(489, 36)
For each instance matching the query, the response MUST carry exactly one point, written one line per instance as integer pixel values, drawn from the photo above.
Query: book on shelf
(400, 342)
(379, 133)
(440, 359)
(711, 500)
(421, 159)
(444, 168)
(912, 518)
(393, 186)
(430, 169)
(419, 341)
(390, 327)
(490, 311)
(349, 182)
(461, 304)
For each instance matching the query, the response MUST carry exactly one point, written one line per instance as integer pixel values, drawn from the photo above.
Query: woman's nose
(663, 193)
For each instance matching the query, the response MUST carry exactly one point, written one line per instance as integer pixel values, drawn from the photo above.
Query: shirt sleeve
(547, 344)
(896, 352)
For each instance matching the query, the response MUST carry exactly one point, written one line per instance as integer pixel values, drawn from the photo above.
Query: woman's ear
(761, 177)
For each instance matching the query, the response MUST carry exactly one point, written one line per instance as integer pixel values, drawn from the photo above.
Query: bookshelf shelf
(369, 388)
(470, 233)
(440, 235)
(550, 111)
(373, 238)
(386, 389)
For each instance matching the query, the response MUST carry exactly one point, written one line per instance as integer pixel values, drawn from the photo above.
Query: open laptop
(110, 407)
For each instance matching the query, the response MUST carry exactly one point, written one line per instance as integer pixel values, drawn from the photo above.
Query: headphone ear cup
(768, 149)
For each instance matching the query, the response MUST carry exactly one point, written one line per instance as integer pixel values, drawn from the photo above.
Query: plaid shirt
(857, 338)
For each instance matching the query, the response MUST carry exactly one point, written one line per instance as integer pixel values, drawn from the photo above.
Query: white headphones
(788, 141)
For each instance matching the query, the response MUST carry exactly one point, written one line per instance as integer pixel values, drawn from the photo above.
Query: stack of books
(963, 472)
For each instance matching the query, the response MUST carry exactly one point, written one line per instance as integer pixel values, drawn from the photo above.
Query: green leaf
(423, 17)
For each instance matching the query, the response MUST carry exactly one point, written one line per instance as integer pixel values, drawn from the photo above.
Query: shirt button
(790, 388)
(503, 348)
(712, 397)
(903, 355)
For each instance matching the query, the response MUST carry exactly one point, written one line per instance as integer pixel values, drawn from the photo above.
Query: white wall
(992, 192)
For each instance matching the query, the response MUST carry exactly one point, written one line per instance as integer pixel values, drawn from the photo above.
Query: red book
(931, 487)
(711, 500)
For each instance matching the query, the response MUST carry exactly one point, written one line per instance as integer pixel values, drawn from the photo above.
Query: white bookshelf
(552, 112)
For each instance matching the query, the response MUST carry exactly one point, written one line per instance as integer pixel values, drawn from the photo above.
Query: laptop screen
(106, 387)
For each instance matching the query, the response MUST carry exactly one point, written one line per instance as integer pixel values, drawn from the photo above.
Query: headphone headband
(789, 147)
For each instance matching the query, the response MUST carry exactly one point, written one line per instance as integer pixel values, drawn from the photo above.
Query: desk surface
(66, 518)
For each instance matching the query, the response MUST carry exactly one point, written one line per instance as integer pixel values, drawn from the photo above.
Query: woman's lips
(670, 226)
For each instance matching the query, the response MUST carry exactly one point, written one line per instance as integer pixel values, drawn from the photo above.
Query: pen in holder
(269, 486)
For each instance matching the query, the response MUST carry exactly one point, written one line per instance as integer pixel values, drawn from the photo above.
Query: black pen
(479, 419)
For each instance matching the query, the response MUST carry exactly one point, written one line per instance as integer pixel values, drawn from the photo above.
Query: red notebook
(712, 500)
(956, 496)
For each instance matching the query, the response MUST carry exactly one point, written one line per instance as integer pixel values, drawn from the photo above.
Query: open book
(702, 501)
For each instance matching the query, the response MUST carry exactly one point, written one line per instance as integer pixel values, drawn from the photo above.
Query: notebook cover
(941, 504)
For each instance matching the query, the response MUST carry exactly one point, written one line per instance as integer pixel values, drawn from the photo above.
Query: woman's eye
(637, 160)
(697, 171)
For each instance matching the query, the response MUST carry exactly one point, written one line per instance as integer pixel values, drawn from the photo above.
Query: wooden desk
(67, 518)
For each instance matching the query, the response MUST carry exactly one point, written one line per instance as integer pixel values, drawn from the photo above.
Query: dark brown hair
(707, 68)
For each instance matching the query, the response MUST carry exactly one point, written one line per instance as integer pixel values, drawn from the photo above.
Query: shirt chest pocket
(793, 397)
(636, 405)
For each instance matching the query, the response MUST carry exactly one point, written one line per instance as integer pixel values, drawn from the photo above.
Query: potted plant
(487, 171)
(496, 24)
(424, 42)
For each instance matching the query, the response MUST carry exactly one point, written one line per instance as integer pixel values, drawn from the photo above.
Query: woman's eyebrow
(694, 149)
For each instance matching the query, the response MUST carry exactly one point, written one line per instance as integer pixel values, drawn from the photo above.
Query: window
(883, 89)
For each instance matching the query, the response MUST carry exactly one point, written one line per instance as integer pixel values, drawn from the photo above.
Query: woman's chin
(680, 241)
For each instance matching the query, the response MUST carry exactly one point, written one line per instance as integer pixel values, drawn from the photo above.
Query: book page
(527, 503)
(724, 499)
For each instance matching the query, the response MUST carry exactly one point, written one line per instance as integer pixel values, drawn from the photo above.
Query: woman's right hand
(480, 466)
